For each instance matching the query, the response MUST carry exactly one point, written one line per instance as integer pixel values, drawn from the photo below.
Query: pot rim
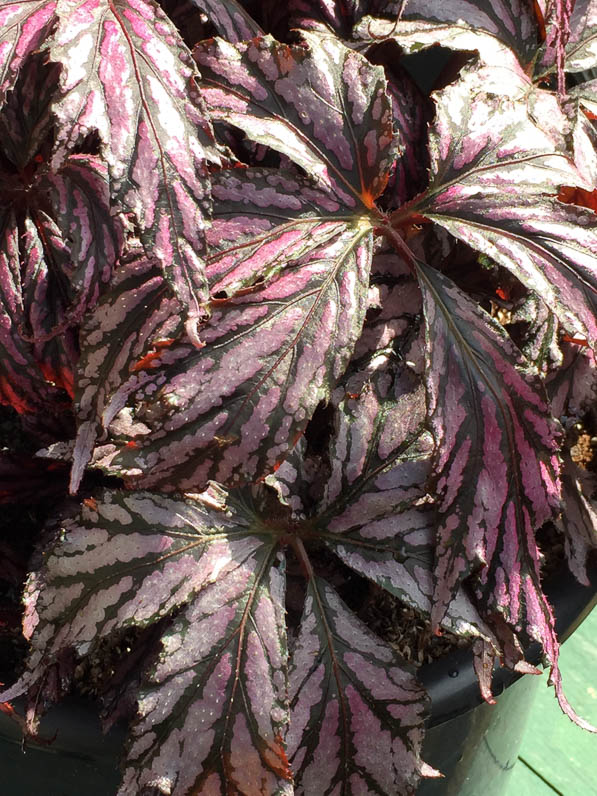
(451, 681)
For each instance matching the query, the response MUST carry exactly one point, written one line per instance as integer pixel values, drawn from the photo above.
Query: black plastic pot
(474, 744)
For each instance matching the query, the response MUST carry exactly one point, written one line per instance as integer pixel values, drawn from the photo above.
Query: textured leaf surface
(128, 75)
(131, 324)
(496, 459)
(581, 49)
(294, 301)
(23, 27)
(373, 512)
(324, 107)
(513, 23)
(219, 685)
(492, 41)
(579, 517)
(22, 385)
(494, 176)
(329, 16)
(212, 717)
(59, 242)
(128, 558)
(411, 116)
(357, 711)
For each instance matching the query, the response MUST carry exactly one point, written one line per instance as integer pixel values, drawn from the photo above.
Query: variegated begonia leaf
(127, 75)
(411, 117)
(495, 175)
(324, 106)
(374, 512)
(495, 465)
(58, 252)
(22, 384)
(492, 40)
(572, 389)
(513, 23)
(214, 711)
(131, 324)
(217, 695)
(581, 48)
(578, 520)
(292, 302)
(230, 19)
(330, 16)
(586, 94)
(357, 710)
(540, 340)
(555, 19)
(60, 240)
(497, 471)
(23, 27)
(394, 319)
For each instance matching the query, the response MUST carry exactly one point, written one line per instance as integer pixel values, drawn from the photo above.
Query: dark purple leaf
(495, 174)
(292, 307)
(22, 384)
(25, 479)
(128, 76)
(57, 254)
(356, 709)
(329, 16)
(324, 107)
(579, 516)
(23, 27)
(60, 241)
(230, 19)
(573, 388)
(411, 117)
(492, 429)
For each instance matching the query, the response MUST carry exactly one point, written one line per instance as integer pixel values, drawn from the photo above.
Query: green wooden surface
(557, 756)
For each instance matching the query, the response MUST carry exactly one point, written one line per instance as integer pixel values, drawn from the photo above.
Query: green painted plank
(562, 753)
(525, 782)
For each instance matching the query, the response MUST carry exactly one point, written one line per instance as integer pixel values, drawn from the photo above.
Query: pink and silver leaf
(131, 324)
(213, 712)
(496, 465)
(368, 501)
(336, 17)
(414, 35)
(581, 47)
(288, 307)
(127, 559)
(572, 389)
(357, 710)
(494, 179)
(323, 105)
(557, 27)
(22, 382)
(23, 28)
(511, 23)
(128, 77)
(496, 469)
